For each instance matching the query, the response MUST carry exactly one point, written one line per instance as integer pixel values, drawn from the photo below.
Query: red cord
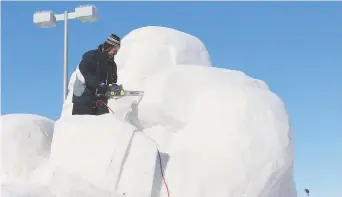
(98, 103)
(161, 170)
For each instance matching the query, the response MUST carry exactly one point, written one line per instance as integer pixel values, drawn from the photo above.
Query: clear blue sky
(296, 48)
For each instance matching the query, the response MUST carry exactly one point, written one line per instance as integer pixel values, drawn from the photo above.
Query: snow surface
(25, 144)
(218, 132)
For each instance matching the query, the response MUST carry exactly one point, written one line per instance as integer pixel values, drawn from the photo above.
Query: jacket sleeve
(88, 68)
(113, 70)
(115, 73)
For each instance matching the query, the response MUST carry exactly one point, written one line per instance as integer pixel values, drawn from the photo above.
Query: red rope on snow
(98, 103)
(162, 173)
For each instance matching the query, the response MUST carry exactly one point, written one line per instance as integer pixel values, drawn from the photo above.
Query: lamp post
(46, 19)
(307, 191)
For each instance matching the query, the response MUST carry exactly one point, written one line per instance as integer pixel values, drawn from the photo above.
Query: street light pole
(46, 19)
(65, 81)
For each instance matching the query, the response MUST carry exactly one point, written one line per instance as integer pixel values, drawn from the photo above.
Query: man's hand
(102, 89)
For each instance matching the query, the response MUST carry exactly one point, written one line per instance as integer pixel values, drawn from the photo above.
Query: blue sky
(296, 48)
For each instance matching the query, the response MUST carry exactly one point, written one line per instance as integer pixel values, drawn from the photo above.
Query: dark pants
(89, 109)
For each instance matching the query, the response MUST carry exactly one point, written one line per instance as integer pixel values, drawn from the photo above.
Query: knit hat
(112, 41)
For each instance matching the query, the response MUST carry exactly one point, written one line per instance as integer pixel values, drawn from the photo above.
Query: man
(96, 72)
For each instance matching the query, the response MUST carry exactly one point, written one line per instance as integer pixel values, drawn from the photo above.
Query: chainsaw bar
(124, 93)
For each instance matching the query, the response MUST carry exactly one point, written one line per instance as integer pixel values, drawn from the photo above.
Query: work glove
(102, 89)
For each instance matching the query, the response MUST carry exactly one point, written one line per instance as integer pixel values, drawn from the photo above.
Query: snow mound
(82, 159)
(104, 151)
(226, 134)
(218, 132)
(164, 48)
(25, 144)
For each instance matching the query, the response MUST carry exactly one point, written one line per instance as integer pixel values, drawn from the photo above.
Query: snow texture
(219, 132)
(25, 144)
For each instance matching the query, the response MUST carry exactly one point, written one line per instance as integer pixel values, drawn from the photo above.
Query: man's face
(113, 51)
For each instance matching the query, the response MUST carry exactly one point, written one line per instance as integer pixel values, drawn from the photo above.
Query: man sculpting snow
(96, 76)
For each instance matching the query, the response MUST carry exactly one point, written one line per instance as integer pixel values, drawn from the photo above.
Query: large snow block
(239, 131)
(169, 47)
(100, 149)
(226, 134)
(25, 144)
(139, 168)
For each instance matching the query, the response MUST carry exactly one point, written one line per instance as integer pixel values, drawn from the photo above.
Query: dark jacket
(96, 68)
